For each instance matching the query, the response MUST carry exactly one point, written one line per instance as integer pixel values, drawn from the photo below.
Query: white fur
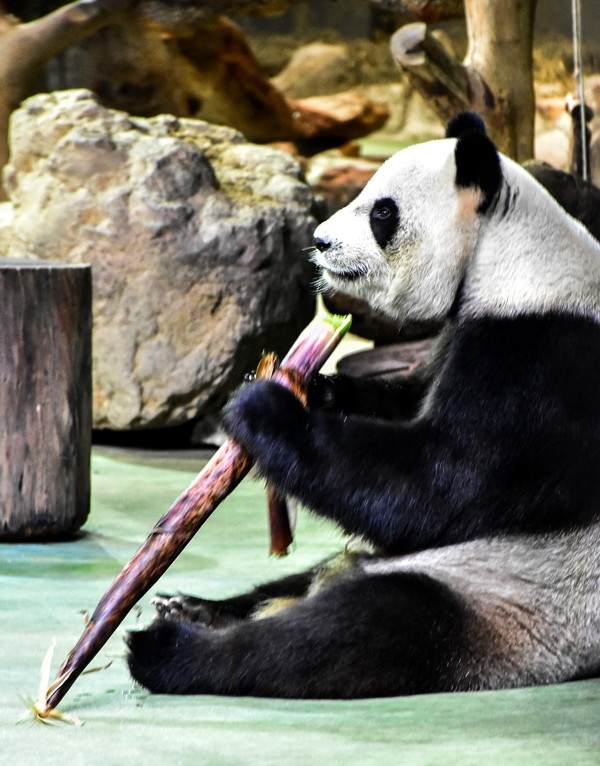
(535, 259)
(539, 595)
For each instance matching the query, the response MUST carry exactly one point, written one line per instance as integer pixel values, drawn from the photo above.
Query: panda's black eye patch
(384, 219)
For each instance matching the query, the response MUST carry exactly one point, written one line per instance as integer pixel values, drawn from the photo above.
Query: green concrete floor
(44, 587)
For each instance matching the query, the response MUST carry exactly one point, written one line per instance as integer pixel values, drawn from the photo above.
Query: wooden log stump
(45, 399)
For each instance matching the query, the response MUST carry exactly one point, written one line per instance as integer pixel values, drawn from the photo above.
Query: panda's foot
(183, 609)
(160, 657)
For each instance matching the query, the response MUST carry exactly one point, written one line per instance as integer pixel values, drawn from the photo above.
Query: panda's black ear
(465, 122)
(477, 159)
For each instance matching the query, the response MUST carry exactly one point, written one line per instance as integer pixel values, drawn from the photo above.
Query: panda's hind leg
(359, 636)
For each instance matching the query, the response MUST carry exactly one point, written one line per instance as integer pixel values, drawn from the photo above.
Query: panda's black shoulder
(521, 395)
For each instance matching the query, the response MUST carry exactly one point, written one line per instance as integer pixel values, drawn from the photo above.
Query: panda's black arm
(510, 441)
(388, 398)
(396, 484)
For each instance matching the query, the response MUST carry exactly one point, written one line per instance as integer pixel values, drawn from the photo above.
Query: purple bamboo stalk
(190, 510)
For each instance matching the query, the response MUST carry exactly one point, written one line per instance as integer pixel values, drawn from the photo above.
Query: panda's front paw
(265, 418)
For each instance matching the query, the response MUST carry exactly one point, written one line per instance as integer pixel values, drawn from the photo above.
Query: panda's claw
(182, 608)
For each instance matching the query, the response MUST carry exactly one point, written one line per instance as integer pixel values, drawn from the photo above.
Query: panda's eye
(384, 219)
(382, 213)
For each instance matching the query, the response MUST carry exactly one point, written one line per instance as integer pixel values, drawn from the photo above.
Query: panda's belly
(534, 601)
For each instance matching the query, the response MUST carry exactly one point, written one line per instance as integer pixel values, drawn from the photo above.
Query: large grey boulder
(196, 242)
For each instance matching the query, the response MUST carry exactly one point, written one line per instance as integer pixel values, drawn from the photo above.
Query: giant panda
(475, 481)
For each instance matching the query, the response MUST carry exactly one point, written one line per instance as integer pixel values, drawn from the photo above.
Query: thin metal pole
(578, 75)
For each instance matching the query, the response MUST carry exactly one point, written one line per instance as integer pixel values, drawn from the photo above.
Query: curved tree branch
(25, 48)
(424, 10)
(447, 85)
(496, 78)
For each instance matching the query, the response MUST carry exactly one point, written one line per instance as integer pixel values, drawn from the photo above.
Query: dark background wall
(555, 16)
(351, 17)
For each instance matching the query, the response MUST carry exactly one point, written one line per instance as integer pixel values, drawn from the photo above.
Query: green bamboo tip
(341, 323)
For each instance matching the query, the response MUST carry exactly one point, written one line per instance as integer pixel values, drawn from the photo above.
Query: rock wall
(196, 241)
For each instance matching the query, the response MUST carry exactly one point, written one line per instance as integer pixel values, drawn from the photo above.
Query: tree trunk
(501, 50)
(45, 399)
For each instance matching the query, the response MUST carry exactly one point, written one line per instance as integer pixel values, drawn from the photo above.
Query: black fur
(330, 645)
(477, 159)
(465, 122)
(384, 220)
(383, 397)
(509, 441)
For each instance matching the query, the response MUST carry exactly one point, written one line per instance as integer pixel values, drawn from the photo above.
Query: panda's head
(404, 243)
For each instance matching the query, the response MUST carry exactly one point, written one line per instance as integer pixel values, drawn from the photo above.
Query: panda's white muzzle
(324, 258)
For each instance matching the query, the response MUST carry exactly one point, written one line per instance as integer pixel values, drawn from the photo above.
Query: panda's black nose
(322, 244)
